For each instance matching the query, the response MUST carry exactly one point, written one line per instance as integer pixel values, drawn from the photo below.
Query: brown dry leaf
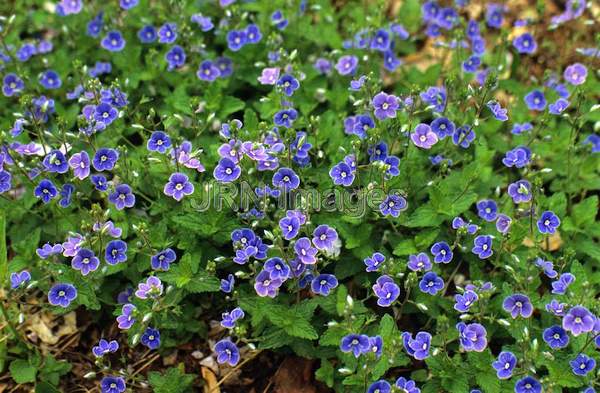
(295, 375)
(49, 329)
(210, 380)
(553, 244)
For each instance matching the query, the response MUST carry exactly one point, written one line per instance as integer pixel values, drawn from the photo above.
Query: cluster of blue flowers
(84, 148)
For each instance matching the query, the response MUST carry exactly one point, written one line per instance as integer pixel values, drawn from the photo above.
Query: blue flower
(147, 34)
(505, 364)
(482, 246)
(167, 34)
(286, 179)
(407, 385)
(487, 209)
(12, 85)
(465, 301)
(548, 222)
(525, 43)
(227, 352)
(471, 64)
(99, 182)
(556, 337)
(381, 40)
(227, 171)
(323, 284)
(559, 287)
(163, 259)
(355, 343)
(431, 283)
(417, 347)
(113, 41)
(116, 252)
(236, 39)
(253, 34)
(419, 262)
(151, 338)
(94, 27)
(122, 197)
(288, 84)
(463, 136)
(346, 65)
(373, 262)
(558, 106)
(105, 347)
(175, 57)
(285, 117)
(518, 304)
(45, 190)
(443, 127)
(535, 100)
(519, 157)
(208, 71)
(159, 141)
(128, 4)
(105, 159)
(110, 384)
(376, 345)
(442, 252)
(62, 295)
(55, 161)
(290, 226)
(498, 112)
(380, 386)
(386, 290)
(472, 337)
(227, 284)
(19, 278)
(528, 385)
(324, 237)
(50, 80)
(178, 186)
(228, 319)
(582, 364)
(277, 268)
(520, 191)
(393, 205)
(503, 223)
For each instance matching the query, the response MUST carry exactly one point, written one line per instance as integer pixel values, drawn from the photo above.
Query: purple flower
(113, 41)
(288, 84)
(253, 34)
(5, 181)
(323, 284)
(442, 127)
(498, 112)
(556, 337)
(163, 259)
(48, 250)
(225, 66)
(535, 100)
(417, 347)
(381, 40)
(55, 161)
(342, 174)
(442, 252)
(547, 267)
(528, 385)
(376, 345)
(357, 84)
(151, 338)
(575, 74)
(419, 262)
(80, 163)
(558, 107)
(423, 136)
(85, 261)
(386, 291)
(407, 385)
(62, 295)
(494, 15)
(472, 336)
(482, 246)
(324, 236)
(290, 226)
(285, 117)
(520, 191)
(346, 64)
(362, 123)
(465, 301)
(208, 71)
(556, 308)
(374, 261)
(236, 39)
(227, 352)
(269, 76)
(95, 25)
(178, 186)
(323, 66)
(228, 319)
(167, 34)
(126, 319)
(463, 136)
(305, 251)
(99, 182)
(159, 141)
(286, 178)
(518, 304)
(66, 193)
(128, 4)
(505, 364)
(147, 34)
(50, 80)
(112, 384)
(578, 320)
(355, 343)
(487, 209)
(152, 288)
(519, 157)
(12, 85)
(393, 205)
(431, 283)
(471, 64)
(105, 347)
(548, 222)
(105, 159)
(227, 284)
(175, 57)
(122, 197)
(385, 105)
(582, 364)
(559, 287)
(265, 285)
(116, 252)
(520, 128)
(19, 278)
(435, 97)
(525, 43)
(105, 113)
(503, 223)
(381, 386)
(67, 7)
(227, 171)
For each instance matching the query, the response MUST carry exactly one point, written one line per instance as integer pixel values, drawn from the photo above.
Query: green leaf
(172, 381)
(325, 373)
(22, 372)
(231, 105)
(584, 213)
